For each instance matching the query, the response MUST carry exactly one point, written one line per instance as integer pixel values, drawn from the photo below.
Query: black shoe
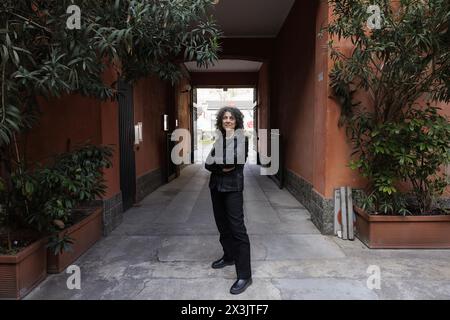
(240, 285)
(221, 263)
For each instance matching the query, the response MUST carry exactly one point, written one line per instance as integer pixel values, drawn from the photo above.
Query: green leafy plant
(44, 198)
(419, 148)
(379, 202)
(40, 56)
(405, 61)
(60, 244)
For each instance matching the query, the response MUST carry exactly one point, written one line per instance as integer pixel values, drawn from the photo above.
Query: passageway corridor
(164, 248)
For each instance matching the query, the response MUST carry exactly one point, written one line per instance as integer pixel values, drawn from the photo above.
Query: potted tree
(42, 57)
(399, 71)
(57, 197)
(45, 229)
(23, 262)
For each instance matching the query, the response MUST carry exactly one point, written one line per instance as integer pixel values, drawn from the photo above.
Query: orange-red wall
(110, 131)
(73, 120)
(264, 96)
(64, 123)
(151, 101)
(292, 92)
(183, 107)
(315, 147)
(320, 100)
(338, 149)
(182, 104)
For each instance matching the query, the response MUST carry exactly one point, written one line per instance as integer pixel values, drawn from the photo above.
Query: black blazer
(227, 181)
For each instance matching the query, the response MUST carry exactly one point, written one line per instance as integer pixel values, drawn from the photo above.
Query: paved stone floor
(164, 247)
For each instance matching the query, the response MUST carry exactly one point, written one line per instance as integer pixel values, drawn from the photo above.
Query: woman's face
(228, 121)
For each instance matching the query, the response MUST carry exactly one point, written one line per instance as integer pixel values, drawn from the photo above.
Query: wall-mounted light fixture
(141, 135)
(166, 122)
(138, 137)
(176, 123)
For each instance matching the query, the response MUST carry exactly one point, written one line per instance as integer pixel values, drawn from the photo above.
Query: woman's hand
(227, 169)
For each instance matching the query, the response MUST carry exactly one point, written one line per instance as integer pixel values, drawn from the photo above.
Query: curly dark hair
(237, 114)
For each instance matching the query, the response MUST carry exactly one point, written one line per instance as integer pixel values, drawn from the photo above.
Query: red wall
(292, 92)
(183, 103)
(73, 120)
(151, 101)
(183, 107)
(110, 132)
(63, 124)
(315, 147)
(320, 102)
(110, 136)
(264, 96)
(338, 149)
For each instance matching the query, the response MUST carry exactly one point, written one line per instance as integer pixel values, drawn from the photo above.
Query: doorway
(207, 101)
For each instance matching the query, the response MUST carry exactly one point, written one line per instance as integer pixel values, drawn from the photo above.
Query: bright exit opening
(208, 103)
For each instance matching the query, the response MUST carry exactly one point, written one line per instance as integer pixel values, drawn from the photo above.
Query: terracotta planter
(20, 273)
(85, 233)
(403, 232)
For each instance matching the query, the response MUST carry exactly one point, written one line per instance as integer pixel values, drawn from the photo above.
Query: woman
(226, 162)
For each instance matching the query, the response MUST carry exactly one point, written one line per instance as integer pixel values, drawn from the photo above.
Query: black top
(232, 180)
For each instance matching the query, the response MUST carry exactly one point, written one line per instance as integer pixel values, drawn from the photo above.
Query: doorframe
(193, 100)
(171, 170)
(127, 157)
(256, 124)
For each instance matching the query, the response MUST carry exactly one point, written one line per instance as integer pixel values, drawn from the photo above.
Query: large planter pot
(403, 232)
(84, 233)
(22, 272)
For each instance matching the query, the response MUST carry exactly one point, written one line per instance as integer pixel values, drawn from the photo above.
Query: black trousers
(229, 216)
